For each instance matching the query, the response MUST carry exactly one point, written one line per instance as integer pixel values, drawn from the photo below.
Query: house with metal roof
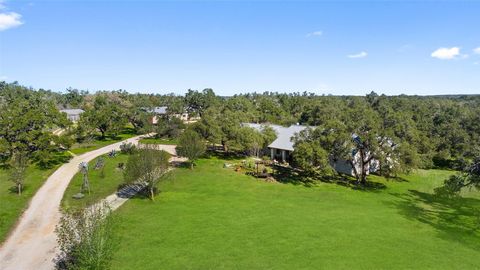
(281, 148)
(73, 114)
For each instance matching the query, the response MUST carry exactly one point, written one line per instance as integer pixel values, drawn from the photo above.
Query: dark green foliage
(311, 158)
(250, 141)
(107, 115)
(18, 167)
(26, 120)
(169, 127)
(191, 146)
(148, 164)
(468, 178)
(435, 131)
(198, 102)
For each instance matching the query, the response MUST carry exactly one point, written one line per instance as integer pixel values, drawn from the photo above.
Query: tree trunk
(225, 147)
(355, 171)
(19, 189)
(152, 194)
(102, 130)
(191, 165)
(363, 176)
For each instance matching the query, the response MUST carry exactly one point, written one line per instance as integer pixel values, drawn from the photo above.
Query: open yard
(11, 204)
(214, 218)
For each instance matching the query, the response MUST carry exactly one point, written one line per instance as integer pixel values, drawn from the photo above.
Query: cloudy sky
(236, 46)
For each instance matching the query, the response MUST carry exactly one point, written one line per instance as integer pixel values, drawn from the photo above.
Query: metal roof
(284, 134)
(73, 111)
(159, 110)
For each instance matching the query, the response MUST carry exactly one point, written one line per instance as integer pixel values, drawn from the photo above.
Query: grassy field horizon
(215, 218)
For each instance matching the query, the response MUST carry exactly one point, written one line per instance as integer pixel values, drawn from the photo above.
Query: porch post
(272, 154)
(283, 156)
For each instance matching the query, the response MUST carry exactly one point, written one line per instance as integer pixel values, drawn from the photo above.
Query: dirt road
(32, 243)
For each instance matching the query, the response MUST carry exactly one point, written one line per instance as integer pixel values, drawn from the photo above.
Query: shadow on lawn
(455, 219)
(296, 177)
(369, 186)
(55, 158)
(14, 190)
(288, 176)
(223, 155)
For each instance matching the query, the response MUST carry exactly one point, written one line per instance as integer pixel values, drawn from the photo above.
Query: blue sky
(236, 47)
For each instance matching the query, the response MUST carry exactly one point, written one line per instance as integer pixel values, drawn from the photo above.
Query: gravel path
(32, 244)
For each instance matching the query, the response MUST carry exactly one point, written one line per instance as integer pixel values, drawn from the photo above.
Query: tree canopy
(26, 121)
(414, 131)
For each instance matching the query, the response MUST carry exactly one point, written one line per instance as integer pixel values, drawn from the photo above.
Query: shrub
(86, 239)
(127, 148)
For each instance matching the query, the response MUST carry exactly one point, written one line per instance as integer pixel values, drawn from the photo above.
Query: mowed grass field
(11, 204)
(215, 218)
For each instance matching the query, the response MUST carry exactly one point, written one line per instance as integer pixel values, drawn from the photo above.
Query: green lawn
(11, 204)
(100, 187)
(173, 141)
(215, 218)
(99, 142)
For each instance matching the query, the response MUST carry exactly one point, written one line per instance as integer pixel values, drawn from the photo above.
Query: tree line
(425, 131)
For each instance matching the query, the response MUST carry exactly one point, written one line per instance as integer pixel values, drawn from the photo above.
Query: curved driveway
(32, 244)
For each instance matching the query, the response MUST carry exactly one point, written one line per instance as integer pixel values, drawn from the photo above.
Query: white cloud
(316, 33)
(476, 50)
(447, 53)
(10, 20)
(358, 55)
(3, 78)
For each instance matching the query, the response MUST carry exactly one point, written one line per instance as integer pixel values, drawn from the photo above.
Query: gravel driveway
(32, 244)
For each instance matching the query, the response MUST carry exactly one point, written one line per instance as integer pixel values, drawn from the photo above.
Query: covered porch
(281, 155)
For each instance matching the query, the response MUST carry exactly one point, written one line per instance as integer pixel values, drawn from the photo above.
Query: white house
(73, 114)
(282, 148)
(344, 166)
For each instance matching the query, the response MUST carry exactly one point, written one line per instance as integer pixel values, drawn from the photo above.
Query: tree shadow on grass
(14, 190)
(370, 186)
(224, 155)
(56, 158)
(455, 219)
(296, 177)
(397, 179)
(287, 175)
(180, 164)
